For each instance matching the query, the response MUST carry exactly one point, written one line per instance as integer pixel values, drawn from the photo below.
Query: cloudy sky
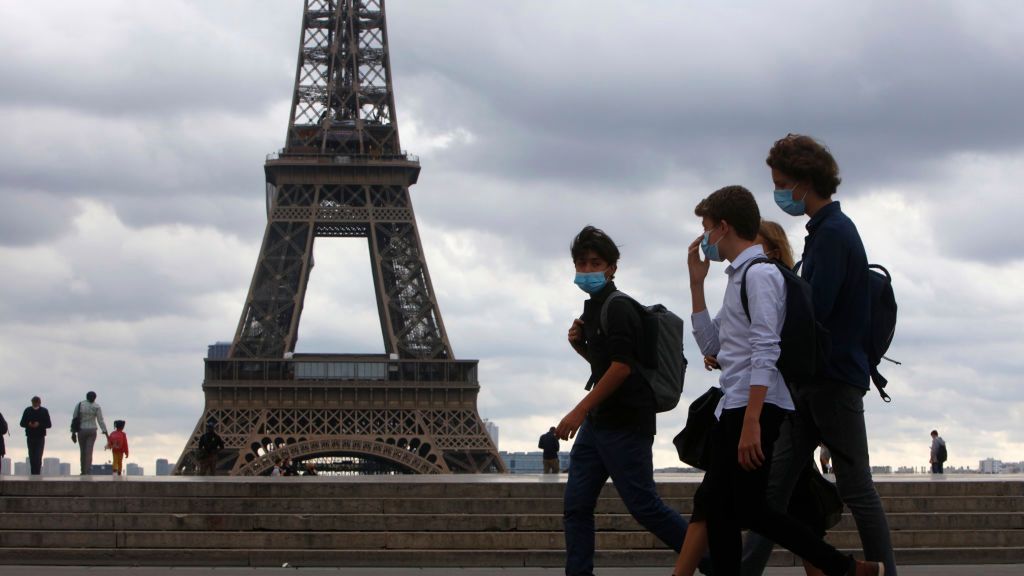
(132, 138)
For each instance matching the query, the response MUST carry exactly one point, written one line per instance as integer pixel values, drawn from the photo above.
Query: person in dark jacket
(615, 423)
(35, 420)
(835, 264)
(549, 444)
(210, 445)
(3, 430)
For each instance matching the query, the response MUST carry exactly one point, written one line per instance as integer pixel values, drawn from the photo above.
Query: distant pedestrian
(311, 469)
(938, 453)
(276, 470)
(118, 444)
(288, 468)
(210, 445)
(84, 421)
(35, 420)
(549, 444)
(3, 430)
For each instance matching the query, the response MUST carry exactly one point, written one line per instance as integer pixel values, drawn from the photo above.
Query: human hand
(698, 268)
(74, 438)
(749, 452)
(567, 428)
(711, 363)
(576, 332)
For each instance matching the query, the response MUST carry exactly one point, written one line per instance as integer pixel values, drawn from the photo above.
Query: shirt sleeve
(623, 331)
(830, 263)
(766, 297)
(705, 332)
(99, 418)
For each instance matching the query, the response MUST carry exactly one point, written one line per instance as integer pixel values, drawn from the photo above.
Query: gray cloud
(132, 184)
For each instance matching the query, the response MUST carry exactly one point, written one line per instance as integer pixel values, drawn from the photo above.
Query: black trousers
(35, 453)
(736, 500)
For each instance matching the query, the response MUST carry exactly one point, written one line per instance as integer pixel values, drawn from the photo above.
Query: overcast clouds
(133, 136)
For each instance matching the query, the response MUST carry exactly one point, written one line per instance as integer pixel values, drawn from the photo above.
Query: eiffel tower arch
(343, 174)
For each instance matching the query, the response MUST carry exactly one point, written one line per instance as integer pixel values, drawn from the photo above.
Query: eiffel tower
(343, 174)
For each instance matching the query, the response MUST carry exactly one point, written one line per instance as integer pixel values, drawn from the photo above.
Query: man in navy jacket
(832, 412)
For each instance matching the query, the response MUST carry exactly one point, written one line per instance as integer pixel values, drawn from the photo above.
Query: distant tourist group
(797, 345)
(86, 422)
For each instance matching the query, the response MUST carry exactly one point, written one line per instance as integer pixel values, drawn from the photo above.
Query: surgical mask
(590, 282)
(784, 198)
(710, 250)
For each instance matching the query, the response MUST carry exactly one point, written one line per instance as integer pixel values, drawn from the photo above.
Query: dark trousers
(832, 413)
(737, 501)
(35, 453)
(936, 467)
(625, 456)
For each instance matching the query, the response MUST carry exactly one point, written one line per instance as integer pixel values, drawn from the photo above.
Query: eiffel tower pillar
(343, 174)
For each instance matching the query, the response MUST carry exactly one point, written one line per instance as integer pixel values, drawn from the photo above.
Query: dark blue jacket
(835, 264)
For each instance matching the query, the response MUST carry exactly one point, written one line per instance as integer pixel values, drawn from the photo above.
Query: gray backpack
(661, 360)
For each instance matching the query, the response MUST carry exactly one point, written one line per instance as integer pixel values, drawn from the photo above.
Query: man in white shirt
(755, 397)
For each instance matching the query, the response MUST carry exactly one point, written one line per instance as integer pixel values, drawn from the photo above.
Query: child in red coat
(117, 442)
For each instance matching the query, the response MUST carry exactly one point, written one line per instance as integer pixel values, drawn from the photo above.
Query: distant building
(163, 467)
(492, 431)
(5, 467)
(51, 467)
(21, 468)
(881, 469)
(218, 350)
(530, 462)
(65, 469)
(990, 466)
(102, 470)
(132, 469)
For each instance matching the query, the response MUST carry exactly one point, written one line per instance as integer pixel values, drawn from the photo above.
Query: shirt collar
(747, 255)
(823, 214)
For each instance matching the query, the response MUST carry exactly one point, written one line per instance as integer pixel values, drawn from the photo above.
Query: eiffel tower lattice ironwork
(343, 173)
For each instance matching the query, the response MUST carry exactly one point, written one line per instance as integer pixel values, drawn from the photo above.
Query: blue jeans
(625, 456)
(833, 413)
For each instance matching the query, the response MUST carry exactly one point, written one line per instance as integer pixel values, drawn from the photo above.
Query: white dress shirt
(747, 350)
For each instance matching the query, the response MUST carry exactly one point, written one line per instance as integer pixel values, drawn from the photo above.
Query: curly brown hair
(804, 158)
(735, 205)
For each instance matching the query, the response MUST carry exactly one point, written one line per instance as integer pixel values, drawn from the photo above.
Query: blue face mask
(710, 250)
(590, 282)
(784, 198)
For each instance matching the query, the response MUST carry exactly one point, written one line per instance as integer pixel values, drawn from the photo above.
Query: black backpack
(943, 454)
(805, 344)
(883, 324)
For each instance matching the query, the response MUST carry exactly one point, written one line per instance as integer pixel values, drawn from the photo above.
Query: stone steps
(455, 521)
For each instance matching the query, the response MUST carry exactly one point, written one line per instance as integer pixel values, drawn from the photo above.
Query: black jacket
(42, 415)
(549, 444)
(210, 443)
(632, 404)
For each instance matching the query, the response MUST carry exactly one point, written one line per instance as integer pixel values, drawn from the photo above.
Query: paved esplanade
(985, 570)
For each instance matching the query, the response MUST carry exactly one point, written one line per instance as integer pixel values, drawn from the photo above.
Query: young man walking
(834, 263)
(755, 398)
(615, 421)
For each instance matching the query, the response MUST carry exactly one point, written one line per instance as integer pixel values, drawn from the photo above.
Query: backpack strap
(743, 282)
(607, 302)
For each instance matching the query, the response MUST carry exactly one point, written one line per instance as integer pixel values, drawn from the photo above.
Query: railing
(343, 158)
(343, 369)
